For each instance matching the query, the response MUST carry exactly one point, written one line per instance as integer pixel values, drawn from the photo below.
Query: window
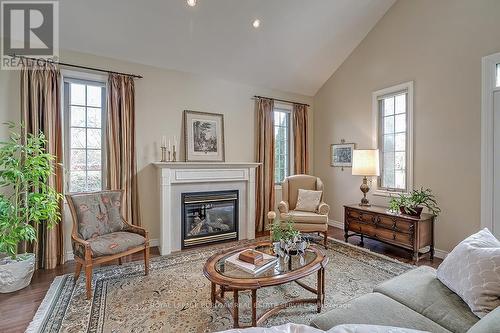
(498, 75)
(393, 111)
(281, 144)
(84, 106)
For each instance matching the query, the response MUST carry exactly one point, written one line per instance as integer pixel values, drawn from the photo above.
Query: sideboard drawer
(384, 234)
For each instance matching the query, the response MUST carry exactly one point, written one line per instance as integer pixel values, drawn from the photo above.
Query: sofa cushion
(472, 270)
(304, 217)
(115, 242)
(376, 309)
(489, 323)
(421, 291)
(358, 328)
(98, 213)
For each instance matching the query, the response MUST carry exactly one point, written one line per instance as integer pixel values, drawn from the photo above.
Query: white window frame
(71, 76)
(407, 86)
(288, 108)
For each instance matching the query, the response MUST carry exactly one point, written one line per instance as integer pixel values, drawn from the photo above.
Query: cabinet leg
(346, 236)
(415, 257)
(431, 257)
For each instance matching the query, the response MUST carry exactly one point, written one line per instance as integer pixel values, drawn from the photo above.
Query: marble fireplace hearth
(178, 178)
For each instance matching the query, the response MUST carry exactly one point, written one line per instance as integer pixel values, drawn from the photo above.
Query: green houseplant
(26, 201)
(414, 202)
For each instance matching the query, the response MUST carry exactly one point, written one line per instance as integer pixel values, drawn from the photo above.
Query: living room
(153, 148)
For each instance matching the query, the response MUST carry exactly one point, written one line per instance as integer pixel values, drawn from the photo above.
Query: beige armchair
(307, 222)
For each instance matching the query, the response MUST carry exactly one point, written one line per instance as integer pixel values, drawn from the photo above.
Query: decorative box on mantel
(205, 202)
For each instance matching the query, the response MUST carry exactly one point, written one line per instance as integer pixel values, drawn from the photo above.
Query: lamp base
(364, 188)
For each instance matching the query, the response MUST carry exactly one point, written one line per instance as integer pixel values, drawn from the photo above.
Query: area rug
(175, 297)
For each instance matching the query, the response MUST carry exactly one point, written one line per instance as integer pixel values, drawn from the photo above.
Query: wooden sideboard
(404, 231)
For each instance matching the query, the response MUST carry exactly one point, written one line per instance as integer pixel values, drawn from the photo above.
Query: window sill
(388, 194)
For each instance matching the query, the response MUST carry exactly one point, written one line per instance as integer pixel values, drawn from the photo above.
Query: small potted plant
(276, 235)
(414, 202)
(26, 201)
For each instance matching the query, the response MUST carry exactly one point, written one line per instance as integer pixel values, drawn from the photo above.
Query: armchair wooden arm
(137, 230)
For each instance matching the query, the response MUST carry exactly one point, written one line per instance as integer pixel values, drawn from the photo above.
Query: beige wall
(438, 45)
(161, 97)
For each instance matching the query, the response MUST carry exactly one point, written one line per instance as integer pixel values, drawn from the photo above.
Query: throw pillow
(472, 271)
(308, 201)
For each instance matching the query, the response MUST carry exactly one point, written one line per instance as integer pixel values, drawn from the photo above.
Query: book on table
(266, 262)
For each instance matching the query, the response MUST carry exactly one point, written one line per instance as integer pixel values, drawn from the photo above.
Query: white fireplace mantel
(175, 178)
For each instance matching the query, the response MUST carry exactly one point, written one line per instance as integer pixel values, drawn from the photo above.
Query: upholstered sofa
(415, 300)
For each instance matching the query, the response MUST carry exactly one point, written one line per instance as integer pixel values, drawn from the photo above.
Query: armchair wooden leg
(146, 259)
(88, 280)
(325, 235)
(78, 269)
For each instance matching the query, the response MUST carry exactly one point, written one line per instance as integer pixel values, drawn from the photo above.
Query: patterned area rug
(175, 297)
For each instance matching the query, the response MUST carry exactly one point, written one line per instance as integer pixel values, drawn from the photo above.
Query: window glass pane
(77, 159)
(78, 138)
(388, 106)
(498, 75)
(400, 104)
(94, 117)
(77, 181)
(389, 125)
(400, 123)
(389, 142)
(94, 180)
(281, 137)
(400, 179)
(77, 116)
(399, 161)
(93, 138)
(77, 94)
(94, 159)
(400, 142)
(94, 96)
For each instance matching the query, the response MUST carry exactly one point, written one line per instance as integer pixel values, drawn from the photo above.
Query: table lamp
(365, 162)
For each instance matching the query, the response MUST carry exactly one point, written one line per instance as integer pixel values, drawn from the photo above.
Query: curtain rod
(280, 100)
(77, 66)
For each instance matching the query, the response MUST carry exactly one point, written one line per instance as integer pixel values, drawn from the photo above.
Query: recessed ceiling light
(191, 3)
(256, 23)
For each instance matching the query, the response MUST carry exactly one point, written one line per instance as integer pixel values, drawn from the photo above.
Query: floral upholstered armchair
(101, 234)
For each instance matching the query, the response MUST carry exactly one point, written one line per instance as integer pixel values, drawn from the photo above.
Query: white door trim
(487, 137)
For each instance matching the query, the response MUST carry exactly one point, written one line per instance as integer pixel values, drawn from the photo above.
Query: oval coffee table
(232, 279)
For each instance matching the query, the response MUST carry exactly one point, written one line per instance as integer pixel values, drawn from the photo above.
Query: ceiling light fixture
(256, 23)
(191, 3)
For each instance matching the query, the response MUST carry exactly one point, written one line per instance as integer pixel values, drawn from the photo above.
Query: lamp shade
(365, 162)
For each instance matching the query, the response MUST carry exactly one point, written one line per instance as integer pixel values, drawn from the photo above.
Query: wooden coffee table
(227, 278)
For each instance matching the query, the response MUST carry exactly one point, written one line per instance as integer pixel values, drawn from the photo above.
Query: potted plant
(414, 202)
(26, 202)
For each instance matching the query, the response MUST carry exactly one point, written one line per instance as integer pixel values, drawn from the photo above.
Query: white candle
(175, 141)
(168, 144)
(164, 141)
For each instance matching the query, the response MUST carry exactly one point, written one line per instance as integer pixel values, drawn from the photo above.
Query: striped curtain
(300, 139)
(121, 154)
(264, 179)
(41, 111)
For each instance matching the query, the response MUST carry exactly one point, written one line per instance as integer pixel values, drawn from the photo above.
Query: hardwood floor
(18, 308)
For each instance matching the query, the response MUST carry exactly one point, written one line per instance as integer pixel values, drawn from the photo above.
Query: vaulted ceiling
(298, 46)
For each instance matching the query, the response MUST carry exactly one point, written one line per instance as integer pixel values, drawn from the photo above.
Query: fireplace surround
(176, 178)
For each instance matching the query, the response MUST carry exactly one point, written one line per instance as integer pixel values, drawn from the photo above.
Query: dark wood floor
(18, 308)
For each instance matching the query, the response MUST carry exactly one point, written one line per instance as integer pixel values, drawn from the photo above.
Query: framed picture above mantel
(203, 136)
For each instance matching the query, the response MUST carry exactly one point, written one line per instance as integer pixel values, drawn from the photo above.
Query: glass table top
(279, 268)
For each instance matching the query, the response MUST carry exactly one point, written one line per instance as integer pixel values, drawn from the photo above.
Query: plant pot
(16, 274)
(417, 213)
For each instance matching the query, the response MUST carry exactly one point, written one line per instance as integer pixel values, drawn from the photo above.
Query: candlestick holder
(168, 152)
(174, 154)
(163, 154)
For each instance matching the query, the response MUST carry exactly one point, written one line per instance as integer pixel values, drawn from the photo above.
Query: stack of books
(252, 261)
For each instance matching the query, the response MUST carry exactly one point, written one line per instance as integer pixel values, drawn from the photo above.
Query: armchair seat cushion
(115, 242)
(304, 217)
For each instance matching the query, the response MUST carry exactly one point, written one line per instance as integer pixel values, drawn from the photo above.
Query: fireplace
(209, 217)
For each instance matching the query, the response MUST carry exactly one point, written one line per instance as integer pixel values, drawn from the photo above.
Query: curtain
(265, 154)
(41, 111)
(300, 135)
(121, 154)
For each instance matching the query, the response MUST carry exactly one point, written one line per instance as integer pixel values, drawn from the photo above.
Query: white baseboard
(70, 256)
(441, 254)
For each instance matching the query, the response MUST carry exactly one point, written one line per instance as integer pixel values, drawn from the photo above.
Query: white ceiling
(297, 48)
